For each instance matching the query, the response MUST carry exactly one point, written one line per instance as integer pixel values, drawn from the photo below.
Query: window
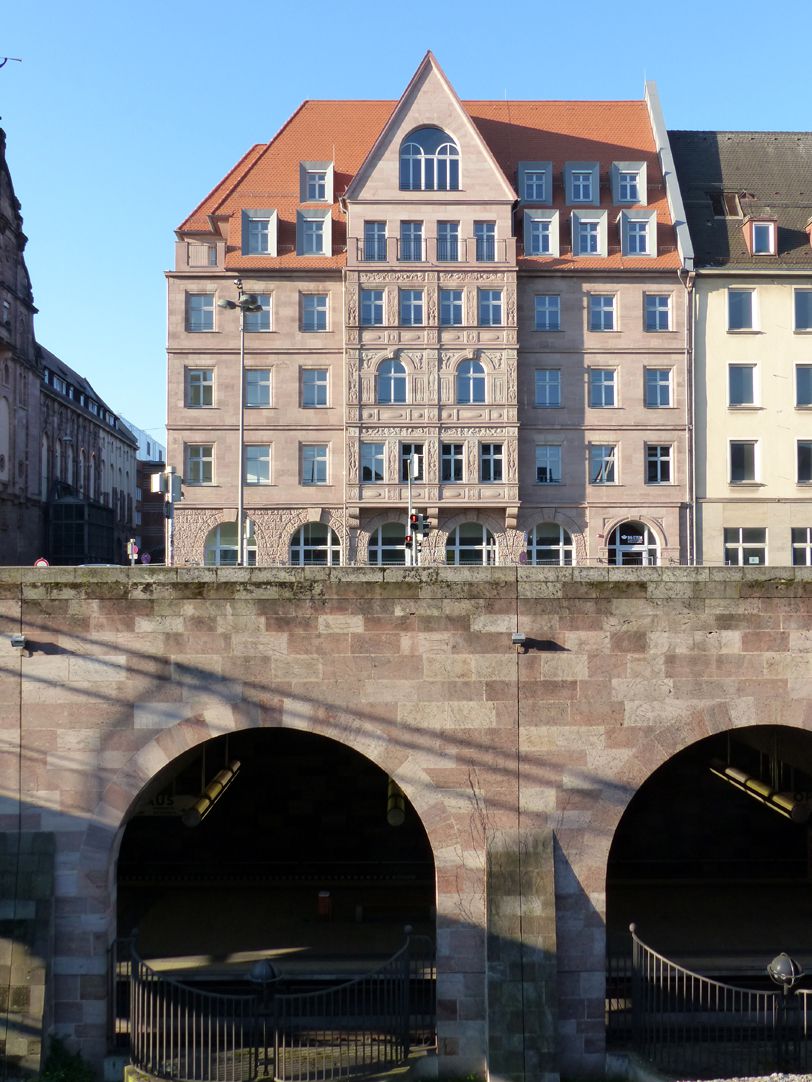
(549, 543)
(312, 234)
(371, 462)
(740, 309)
(470, 383)
(411, 307)
(658, 388)
(411, 461)
(581, 186)
(637, 232)
(221, 548)
(602, 312)
(374, 241)
(741, 384)
(470, 543)
(658, 311)
(197, 255)
(632, 544)
(628, 187)
(490, 307)
(745, 545)
(257, 388)
(387, 545)
(451, 462)
(725, 204)
(450, 307)
(490, 462)
(199, 312)
(548, 312)
(586, 240)
(803, 384)
(391, 383)
(261, 320)
(742, 461)
(448, 241)
(257, 464)
(315, 545)
(429, 162)
(804, 462)
(548, 464)
(259, 232)
(763, 238)
(314, 312)
(315, 385)
(629, 183)
(199, 464)
(802, 546)
(316, 186)
(535, 185)
(803, 309)
(548, 387)
(658, 464)
(314, 463)
(602, 387)
(199, 387)
(371, 307)
(411, 242)
(603, 463)
(538, 235)
(485, 239)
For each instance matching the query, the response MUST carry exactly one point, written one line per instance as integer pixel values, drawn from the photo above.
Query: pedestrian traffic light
(416, 522)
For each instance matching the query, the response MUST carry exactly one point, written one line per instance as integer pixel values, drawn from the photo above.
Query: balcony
(466, 251)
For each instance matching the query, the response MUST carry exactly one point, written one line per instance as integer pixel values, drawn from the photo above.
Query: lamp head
(785, 971)
(226, 303)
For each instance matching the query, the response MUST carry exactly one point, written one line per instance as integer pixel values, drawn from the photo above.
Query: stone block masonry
(520, 764)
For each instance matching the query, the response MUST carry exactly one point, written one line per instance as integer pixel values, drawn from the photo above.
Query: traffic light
(416, 523)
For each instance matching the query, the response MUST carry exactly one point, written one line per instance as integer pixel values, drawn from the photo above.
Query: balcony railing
(432, 250)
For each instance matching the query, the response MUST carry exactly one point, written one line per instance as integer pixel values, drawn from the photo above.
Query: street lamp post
(246, 302)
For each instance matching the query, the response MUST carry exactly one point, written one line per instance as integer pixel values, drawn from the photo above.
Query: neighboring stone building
(489, 290)
(20, 509)
(749, 209)
(149, 523)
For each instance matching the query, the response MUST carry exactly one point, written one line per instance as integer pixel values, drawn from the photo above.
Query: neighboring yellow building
(748, 206)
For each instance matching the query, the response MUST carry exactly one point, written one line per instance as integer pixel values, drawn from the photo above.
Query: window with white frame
(411, 462)
(763, 238)
(745, 545)
(489, 303)
(387, 545)
(411, 242)
(257, 464)
(314, 463)
(221, 548)
(374, 241)
(548, 387)
(582, 183)
(632, 544)
(602, 387)
(257, 388)
(659, 463)
(802, 546)
(313, 235)
(372, 461)
(803, 384)
(657, 312)
(199, 387)
(199, 464)
(535, 181)
(452, 460)
(259, 232)
(490, 462)
(741, 309)
(548, 464)
(391, 383)
(315, 545)
(261, 320)
(804, 462)
(743, 464)
(549, 543)
(470, 543)
(589, 233)
(429, 162)
(628, 186)
(541, 232)
(658, 390)
(411, 307)
(470, 383)
(372, 307)
(316, 182)
(199, 312)
(315, 386)
(629, 183)
(448, 241)
(741, 384)
(803, 309)
(548, 312)
(485, 241)
(450, 307)
(602, 312)
(603, 463)
(314, 311)
(638, 232)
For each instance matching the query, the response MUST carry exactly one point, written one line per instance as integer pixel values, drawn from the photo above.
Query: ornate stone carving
(352, 378)
(512, 468)
(431, 461)
(352, 306)
(352, 459)
(512, 378)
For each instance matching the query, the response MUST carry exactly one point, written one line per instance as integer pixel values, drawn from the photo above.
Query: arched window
(391, 383)
(470, 383)
(429, 162)
(633, 544)
(386, 544)
(549, 543)
(315, 543)
(470, 543)
(221, 549)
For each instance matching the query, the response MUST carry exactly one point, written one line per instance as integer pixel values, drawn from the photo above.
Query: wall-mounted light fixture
(210, 795)
(395, 805)
(786, 804)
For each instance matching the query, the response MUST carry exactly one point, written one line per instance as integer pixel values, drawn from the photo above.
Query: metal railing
(180, 1031)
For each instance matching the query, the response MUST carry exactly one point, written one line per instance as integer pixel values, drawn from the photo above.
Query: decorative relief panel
(352, 377)
(352, 306)
(432, 473)
(512, 467)
(352, 458)
(512, 378)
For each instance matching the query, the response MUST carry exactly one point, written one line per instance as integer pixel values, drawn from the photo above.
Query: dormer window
(725, 204)
(429, 162)
(582, 182)
(536, 182)
(316, 182)
(259, 232)
(759, 235)
(629, 183)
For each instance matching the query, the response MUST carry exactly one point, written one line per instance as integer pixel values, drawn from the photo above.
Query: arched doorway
(632, 544)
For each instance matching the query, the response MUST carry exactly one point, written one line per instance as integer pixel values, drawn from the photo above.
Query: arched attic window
(429, 162)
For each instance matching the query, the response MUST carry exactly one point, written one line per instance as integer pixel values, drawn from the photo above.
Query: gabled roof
(770, 172)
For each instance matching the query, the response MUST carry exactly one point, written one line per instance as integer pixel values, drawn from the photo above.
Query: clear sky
(123, 115)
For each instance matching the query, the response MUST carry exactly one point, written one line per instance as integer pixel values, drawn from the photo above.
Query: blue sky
(123, 115)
